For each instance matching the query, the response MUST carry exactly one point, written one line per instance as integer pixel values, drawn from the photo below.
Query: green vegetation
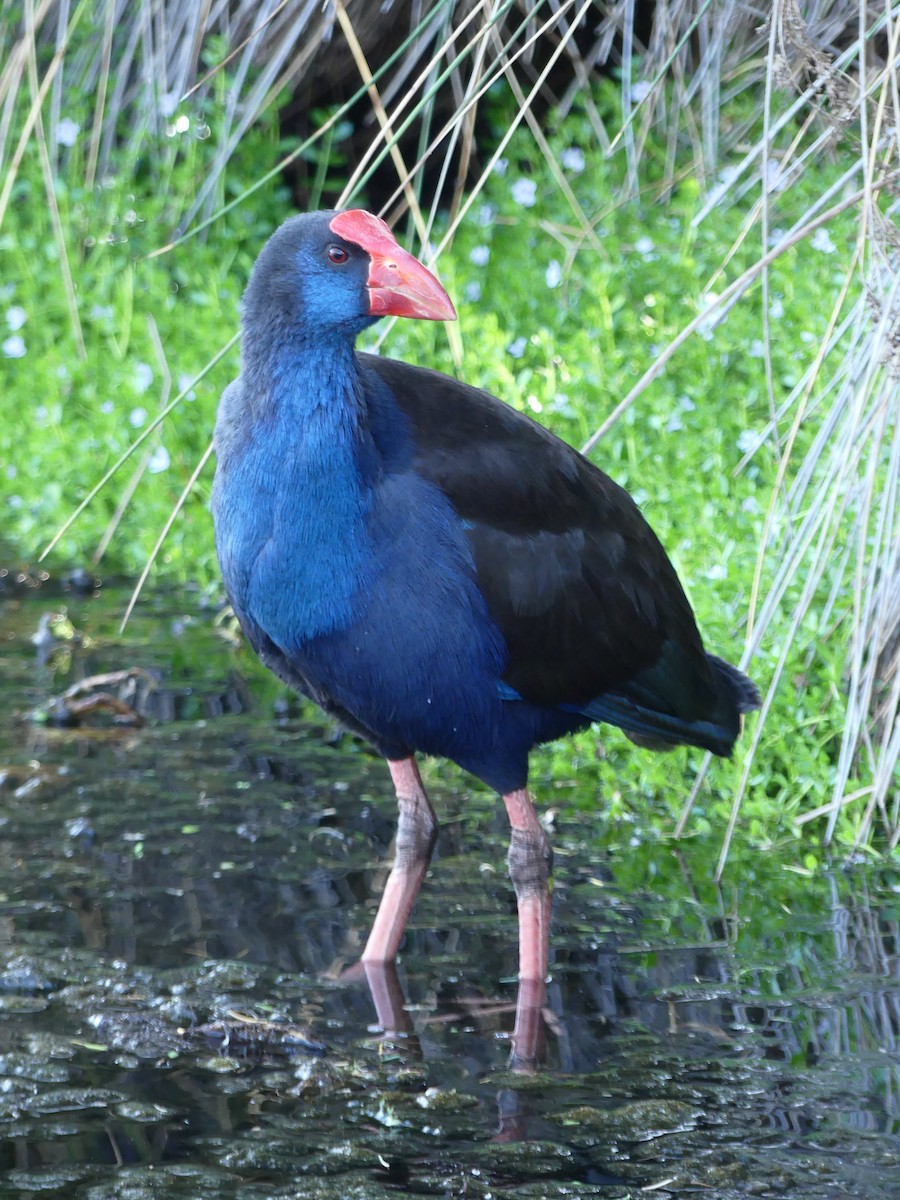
(148, 326)
(566, 301)
(559, 327)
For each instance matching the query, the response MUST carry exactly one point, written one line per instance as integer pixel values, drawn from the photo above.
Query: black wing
(575, 578)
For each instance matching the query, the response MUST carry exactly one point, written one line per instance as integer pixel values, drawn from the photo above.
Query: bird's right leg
(416, 834)
(530, 864)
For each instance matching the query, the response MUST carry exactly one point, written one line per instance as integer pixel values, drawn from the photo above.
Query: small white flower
(674, 423)
(14, 347)
(159, 460)
(726, 177)
(749, 441)
(572, 159)
(479, 255)
(717, 571)
(485, 216)
(524, 192)
(41, 414)
(472, 291)
(67, 131)
(757, 349)
(563, 405)
(137, 417)
(517, 348)
(640, 90)
(821, 240)
(553, 274)
(142, 377)
(16, 317)
(500, 166)
(776, 309)
(644, 245)
(181, 124)
(807, 337)
(708, 324)
(101, 312)
(776, 179)
(750, 505)
(184, 385)
(12, 471)
(107, 407)
(168, 102)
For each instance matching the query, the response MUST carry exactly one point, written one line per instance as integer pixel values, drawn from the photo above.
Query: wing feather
(573, 575)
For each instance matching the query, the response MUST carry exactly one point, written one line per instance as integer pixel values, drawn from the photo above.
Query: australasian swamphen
(433, 567)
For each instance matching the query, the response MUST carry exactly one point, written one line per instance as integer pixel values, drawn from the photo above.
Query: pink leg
(528, 1034)
(530, 861)
(416, 835)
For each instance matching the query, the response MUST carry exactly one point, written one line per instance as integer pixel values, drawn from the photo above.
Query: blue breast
(353, 577)
(358, 570)
(290, 505)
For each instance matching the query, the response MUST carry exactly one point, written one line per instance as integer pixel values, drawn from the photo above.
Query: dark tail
(717, 730)
(735, 685)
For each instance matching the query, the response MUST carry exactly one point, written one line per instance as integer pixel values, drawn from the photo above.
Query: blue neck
(296, 375)
(306, 492)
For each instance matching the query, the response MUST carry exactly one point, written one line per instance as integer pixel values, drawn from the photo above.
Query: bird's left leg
(530, 863)
(416, 834)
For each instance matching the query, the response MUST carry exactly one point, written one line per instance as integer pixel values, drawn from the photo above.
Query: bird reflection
(528, 1038)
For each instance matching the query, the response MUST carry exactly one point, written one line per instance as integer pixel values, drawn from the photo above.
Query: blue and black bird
(434, 568)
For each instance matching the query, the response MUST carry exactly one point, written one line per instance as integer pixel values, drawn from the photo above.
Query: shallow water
(179, 903)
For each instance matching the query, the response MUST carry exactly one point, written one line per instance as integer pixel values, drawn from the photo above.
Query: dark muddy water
(179, 904)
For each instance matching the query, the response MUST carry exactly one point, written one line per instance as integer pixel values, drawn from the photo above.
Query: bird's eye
(337, 255)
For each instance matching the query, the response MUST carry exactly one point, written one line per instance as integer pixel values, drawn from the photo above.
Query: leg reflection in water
(528, 1037)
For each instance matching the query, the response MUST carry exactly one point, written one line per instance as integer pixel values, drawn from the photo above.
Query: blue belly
(353, 579)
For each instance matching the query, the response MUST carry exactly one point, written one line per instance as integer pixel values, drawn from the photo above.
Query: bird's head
(340, 271)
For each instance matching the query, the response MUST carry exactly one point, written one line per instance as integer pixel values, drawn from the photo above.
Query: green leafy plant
(689, 268)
